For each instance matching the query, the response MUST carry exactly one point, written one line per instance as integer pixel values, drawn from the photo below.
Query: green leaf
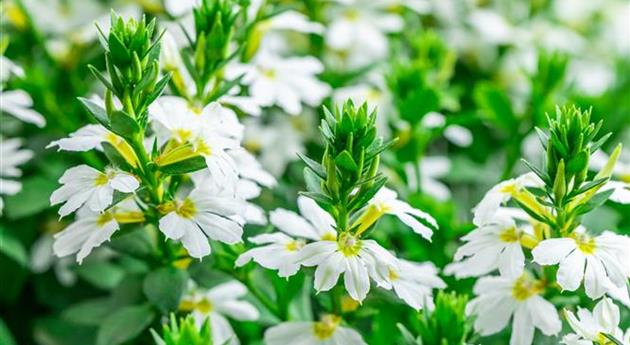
(137, 243)
(314, 166)
(12, 247)
(578, 163)
(184, 167)
(124, 325)
(345, 161)
(164, 287)
(120, 54)
(313, 182)
(5, 335)
(99, 114)
(32, 199)
(90, 312)
(496, 107)
(123, 124)
(102, 274)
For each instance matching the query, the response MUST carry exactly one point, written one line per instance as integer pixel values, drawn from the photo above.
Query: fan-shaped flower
(500, 298)
(413, 282)
(590, 327)
(85, 185)
(325, 331)
(596, 260)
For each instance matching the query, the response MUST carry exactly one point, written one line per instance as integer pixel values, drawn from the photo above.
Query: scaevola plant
(541, 248)
(345, 198)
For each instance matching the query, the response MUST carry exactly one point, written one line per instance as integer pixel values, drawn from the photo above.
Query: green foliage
(183, 332)
(347, 177)
(124, 324)
(447, 324)
(164, 287)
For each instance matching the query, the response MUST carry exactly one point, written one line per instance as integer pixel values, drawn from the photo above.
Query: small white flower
(217, 304)
(502, 193)
(18, 103)
(91, 229)
(324, 332)
(588, 327)
(596, 260)
(498, 298)
(10, 157)
(488, 247)
(358, 260)
(386, 202)
(84, 185)
(210, 131)
(285, 82)
(8, 69)
(359, 30)
(280, 250)
(413, 282)
(86, 138)
(42, 259)
(204, 213)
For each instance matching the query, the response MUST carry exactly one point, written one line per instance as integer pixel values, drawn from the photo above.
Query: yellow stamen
(268, 73)
(509, 235)
(129, 217)
(204, 306)
(370, 216)
(349, 245)
(625, 178)
(325, 328)
(101, 180)
(348, 304)
(351, 15)
(585, 243)
(182, 135)
(529, 241)
(295, 245)
(187, 209)
(526, 287)
(393, 275)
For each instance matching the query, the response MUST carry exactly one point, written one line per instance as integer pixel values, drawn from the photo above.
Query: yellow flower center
(325, 328)
(585, 243)
(204, 306)
(348, 304)
(187, 209)
(182, 135)
(295, 245)
(352, 15)
(370, 216)
(509, 235)
(393, 275)
(625, 178)
(349, 245)
(525, 287)
(268, 73)
(101, 180)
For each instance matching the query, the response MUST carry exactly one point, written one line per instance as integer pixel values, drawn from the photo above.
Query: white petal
(124, 182)
(522, 327)
(298, 333)
(195, 242)
(544, 315)
(552, 251)
(292, 224)
(172, 225)
(595, 278)
(327, 273)
(356, 278)
(314, 253)
(571, 271)
(512, 260)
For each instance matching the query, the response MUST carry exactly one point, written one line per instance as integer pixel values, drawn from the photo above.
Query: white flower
(502, 193)
(18, 103)
(413, 282)
(590, 326)
(359, 30)
(8, 69)
(386, 202)
(42, 259)
(219, 303)
(91, 229)
(204, 213)
(324, 332)
(498, 298)
(358, 260)
(431, 170)
(280, 250)
(285, 82)
(279, 141)
(177, 8)
(85, 185)
(210, 131)
(86, 138)
(596, 260)
(10, 157)
(488, 247)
